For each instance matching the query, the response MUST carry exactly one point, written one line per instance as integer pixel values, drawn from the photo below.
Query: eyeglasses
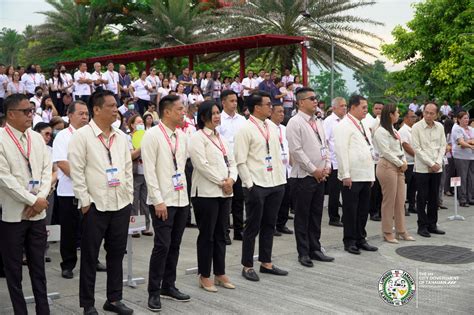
(26, 111)
(312, 98)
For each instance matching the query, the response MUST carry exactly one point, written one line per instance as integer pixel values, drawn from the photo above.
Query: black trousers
(334, 189)
(211, 217)
(84, 98)
(112, 227)
(30, 236)
(282, 218)
(58, 102)
(1, 106)
(238, 207)
(450, 170)
(142, 106)
(411, 187)
(376, 198)
(355, 209)
(427, 199)
(188, 172)
(262, 206)
(165, 254)
(69, 219)
(309, 196)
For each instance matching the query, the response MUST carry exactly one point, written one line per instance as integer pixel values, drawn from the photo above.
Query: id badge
(177, 182)
(112, 178)
(33, 186)
(375, 156)
(58, 95)
(268, 163)
(284, 158)
(324, 152)
(140, 169)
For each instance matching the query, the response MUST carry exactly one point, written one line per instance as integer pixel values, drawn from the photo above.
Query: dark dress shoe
(147, 233)
(238, 237)
(228, 241)
(174, 294)
(117, 307)
(67, 274)
(274, 271)
(191, 225)
(154, 303)
(277, 233)
(47, 259)
(319, 255)
(336, 223)
(375, 217)
(285, 230)
(90, 311)
(305, 261)
(290, 217)
(436, 231)
(367, 247)
(412, 210)
(424, 233)
(443, 207)
(407, 214)
(352, 249)
(100, 267)
(464, 205)
(471, 203)
(250, 274)
(136, 235)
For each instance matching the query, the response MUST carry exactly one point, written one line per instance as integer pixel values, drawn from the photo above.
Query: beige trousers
(392, 182)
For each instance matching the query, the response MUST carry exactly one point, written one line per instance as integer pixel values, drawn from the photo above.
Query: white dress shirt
(390, 148)
(155, 83)
(229, 126)
(445, 109)
(3, 85)
(251, 154)
(285, 151)
(405, 136)
(354, 151)
(207, 150)
(112, 78)
(60, 149)
(160, 169)
(429, 144)
(250, 83)
(98, 76)
(140, 91)
(88, 160)
(31, 81)
(82, 88)
(15, 176)
(329, 125)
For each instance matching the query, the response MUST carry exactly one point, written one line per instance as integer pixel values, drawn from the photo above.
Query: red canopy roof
(222, 45)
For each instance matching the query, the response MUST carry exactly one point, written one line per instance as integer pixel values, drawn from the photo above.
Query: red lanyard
(362, 131)
(33, 78)
(266, 135)
(18, 145)
(109, 147)
(70, 130)
(220, 146)
(111, 75)
(281, 139)
(173, 151)
(313, 125)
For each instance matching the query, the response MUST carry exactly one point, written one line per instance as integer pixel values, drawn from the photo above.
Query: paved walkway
(348, 285)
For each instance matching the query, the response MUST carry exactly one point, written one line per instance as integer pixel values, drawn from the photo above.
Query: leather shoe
(90, 311)
(319, 255)
(352, 249)
(274, 271)
(228, 240)
(117, 307)
(250, 274)
(424, 233)
(305, 261)
(174, 294)
(67, 274)
(154, 303)
(375, 217)
(285, 230)
(411, 210)
(336, 223)
(436, 231)
(443, 207)
(276, 233)
(367, 247)
(464, 205)
(471, 203)
(100, 267)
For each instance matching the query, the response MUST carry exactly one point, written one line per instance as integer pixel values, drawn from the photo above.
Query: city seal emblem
(397, 287)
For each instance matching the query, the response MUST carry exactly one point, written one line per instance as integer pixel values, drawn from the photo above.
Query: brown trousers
(392, 182)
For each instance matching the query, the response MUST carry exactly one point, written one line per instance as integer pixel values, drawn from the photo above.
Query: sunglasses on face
(26, 111)
(312, 98)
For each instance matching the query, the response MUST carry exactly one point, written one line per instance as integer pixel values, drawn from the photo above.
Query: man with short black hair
(101, 170)
(258, 156)
(25, 183)
(186, 80)
(82, 83)
(405, 137)
(112, 81)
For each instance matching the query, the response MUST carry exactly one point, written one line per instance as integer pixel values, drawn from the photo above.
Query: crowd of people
(89, 150)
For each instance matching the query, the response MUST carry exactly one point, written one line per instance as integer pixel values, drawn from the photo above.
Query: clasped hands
(321, 174)
(227, 186)
(36, 208)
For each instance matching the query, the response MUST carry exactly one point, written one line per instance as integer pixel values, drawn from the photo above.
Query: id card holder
(268, 163)
(375, 156)
(112, 177)
(58, 95)
(177, 182)
(324, 152)
(33, 186)
(140, 169)
(284, 157)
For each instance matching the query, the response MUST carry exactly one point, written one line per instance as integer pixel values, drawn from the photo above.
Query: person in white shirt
(446, 109)
(98, 78)
(83, 82)
(181, 94)
(3, 86)
(204, 83)
(112, 81)
(339, 109)
(30, 80)
(258, 156)
(355, 161)
(69, 216)
(231, 123)
(164, 154)
(238, 88)
(101, 171)
(155, 83)
(213, 176)
(405, 136)
(16, 86)
(195, 97)
(140, 90)
(40, 76)
(249, 84)
(25, 183)
(261, 77)
(48, 110)
(68, 82)
(414, 106)
(287, 77)
(163, 90)
(38, 97)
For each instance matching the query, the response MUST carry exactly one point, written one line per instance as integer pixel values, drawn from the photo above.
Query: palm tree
(283, 17)
(10, 44)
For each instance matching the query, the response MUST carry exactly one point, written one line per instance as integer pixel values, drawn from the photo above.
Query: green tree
(438, 49)
(322, 85)
(10, 45)
(283, 17)
(373, 81)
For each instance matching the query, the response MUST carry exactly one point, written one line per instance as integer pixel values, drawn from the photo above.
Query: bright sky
(17, 14)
